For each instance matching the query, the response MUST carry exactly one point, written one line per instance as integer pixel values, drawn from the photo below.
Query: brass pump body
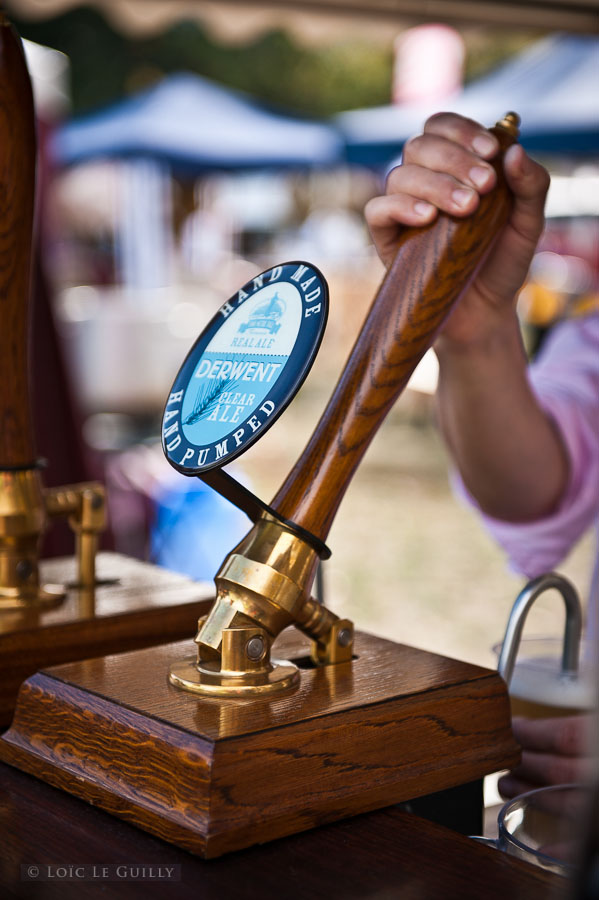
(263, 586)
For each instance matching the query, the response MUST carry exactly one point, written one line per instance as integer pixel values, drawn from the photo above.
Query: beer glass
(548, 677)
(544, 827)
(540, 689)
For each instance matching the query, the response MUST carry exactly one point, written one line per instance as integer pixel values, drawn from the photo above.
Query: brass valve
(25, 508)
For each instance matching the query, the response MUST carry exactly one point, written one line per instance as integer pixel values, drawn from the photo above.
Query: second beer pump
(25, 505)
(265, 583)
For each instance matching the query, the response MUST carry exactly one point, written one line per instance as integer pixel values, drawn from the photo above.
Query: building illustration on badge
(245, 367)
(266, 317)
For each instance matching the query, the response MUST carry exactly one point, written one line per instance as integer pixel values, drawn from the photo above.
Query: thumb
(529, 183)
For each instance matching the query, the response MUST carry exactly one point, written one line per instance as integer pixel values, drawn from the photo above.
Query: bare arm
(507, 450)
(510, 456)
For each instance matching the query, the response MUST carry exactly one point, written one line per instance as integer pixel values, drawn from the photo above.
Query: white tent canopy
(552, 85)
(188, 121)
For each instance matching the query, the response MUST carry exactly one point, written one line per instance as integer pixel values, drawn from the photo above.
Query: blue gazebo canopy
(190, 122)
(552, 85)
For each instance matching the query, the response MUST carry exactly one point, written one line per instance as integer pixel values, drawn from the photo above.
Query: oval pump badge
(245, 367)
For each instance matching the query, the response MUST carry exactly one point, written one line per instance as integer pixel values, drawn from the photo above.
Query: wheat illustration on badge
(207, 399)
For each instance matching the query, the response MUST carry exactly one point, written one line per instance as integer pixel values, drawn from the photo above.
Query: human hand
(448, 168)
(554, 751)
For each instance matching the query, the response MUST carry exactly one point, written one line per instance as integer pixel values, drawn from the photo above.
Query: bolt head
(255, 648)
(24, 569)
(345, 637)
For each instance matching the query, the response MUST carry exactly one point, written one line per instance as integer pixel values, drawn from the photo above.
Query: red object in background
(429, 64)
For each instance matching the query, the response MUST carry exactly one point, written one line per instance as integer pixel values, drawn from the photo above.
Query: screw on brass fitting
(255, 648)
(24, 569)
(344, 637)
(336, 646)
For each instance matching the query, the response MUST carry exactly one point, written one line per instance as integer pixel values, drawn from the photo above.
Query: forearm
(507, 450)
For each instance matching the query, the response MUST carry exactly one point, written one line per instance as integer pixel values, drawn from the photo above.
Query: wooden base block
(136, 605)
(217, 775)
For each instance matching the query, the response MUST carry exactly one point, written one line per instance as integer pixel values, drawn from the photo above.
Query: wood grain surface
(382, 670)
(212, 777)
(384, 855)
(138, 605)
(17, 188)
(432, 268)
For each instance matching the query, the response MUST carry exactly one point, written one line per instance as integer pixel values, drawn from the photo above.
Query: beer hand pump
(24, 505)
(264, 584)
(232, 747)
(58, 611)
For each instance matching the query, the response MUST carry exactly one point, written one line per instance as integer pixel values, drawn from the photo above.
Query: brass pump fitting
(263, 581)
(262, 587)
(22, 521)
(84, 505)
(25, 508)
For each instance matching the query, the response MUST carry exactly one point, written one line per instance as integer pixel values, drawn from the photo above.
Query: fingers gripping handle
(431, 270)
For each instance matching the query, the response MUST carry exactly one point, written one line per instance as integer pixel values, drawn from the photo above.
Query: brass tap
(25, 509)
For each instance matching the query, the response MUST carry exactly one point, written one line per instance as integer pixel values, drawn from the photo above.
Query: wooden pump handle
(432, 268)
(17, 191)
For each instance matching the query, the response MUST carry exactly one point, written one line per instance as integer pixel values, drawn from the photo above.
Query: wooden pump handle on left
(17, 191)
(432, 268)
